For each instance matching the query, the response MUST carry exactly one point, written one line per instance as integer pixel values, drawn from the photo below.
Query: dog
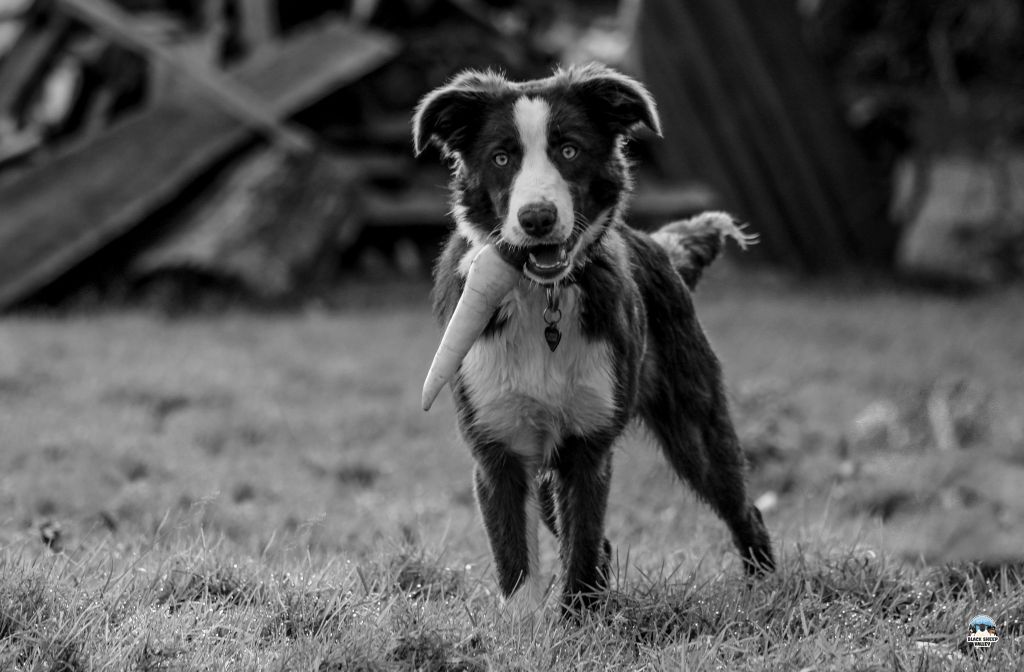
(600, 329)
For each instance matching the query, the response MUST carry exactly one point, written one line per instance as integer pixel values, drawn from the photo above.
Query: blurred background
(214, 239)
(180, 147)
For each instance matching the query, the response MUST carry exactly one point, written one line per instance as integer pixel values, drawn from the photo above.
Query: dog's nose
(537, 219)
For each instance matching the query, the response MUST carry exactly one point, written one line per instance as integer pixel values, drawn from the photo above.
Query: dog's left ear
(623, 102)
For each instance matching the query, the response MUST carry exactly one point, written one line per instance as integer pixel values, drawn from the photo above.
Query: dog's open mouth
(547, 262)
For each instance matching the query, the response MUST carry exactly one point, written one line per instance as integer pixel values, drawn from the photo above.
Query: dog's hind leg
(548, 506)
(696, 434)
(506, 491)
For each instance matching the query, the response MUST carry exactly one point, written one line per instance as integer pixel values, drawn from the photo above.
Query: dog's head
(539, 167)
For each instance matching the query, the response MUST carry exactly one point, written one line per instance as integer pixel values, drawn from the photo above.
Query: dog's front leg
(506, 490)
(584, 469)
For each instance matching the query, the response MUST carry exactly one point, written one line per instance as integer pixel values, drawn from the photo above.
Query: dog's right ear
(449, 115)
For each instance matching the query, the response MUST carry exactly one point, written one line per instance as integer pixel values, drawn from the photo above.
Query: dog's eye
(500, 159)
(569, 152)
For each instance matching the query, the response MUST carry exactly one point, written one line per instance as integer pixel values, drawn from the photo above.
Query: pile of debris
(243, 142)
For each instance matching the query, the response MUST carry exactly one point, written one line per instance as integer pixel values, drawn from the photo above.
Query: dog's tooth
(541, 266)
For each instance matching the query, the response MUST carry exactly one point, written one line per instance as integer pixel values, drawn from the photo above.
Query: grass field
(251, 491)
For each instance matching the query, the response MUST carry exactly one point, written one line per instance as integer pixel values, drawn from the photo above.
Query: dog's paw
(528, 601)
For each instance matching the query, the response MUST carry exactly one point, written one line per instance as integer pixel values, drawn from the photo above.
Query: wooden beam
(705, 137)
(56, 215)
(789, 166)
(258, 19)
(24, 65)
(744, 106)
(861, 196)
(119, 26)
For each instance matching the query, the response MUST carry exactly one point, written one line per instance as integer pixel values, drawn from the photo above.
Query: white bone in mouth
(489, 280)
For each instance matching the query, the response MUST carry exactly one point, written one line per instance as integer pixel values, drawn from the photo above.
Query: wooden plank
(264, 224)
(118, 25)
(652, 207)
(23, 66)
(768, 121)
(705, 136)
(420, 206)
(862, 194)
(756, 119)
(258, 19)
(15, 146)
(56, 215)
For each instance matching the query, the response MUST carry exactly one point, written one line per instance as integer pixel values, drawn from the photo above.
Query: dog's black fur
(541, 423)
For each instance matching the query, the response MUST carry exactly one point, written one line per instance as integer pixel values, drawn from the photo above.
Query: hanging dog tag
(553, 336)
(552, 315)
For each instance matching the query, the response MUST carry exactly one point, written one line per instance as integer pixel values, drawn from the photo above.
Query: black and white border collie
(539, 170)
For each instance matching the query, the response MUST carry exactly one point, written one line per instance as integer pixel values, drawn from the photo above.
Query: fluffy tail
(692, 244)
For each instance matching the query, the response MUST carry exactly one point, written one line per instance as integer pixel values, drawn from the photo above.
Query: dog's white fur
(538, 179)
(521, 387)
(527, 395)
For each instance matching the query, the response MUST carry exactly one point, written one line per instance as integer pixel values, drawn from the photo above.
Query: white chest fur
(528, 395)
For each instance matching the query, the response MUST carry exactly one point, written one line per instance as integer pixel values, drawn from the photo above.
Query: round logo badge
(981, 632)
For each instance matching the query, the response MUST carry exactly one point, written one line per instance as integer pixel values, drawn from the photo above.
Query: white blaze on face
(538, 179)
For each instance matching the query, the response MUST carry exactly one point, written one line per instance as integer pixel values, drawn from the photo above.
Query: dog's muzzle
(545, 260)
